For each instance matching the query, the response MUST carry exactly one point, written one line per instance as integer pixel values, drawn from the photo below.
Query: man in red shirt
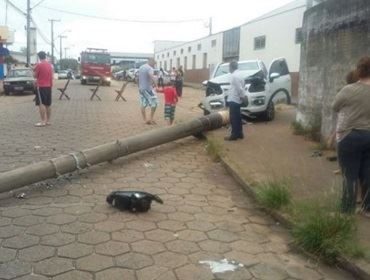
(44, 82)
(170, 100)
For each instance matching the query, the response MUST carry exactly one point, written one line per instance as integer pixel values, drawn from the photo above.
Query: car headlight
(107, 79)
(259, 100)
(84, 77)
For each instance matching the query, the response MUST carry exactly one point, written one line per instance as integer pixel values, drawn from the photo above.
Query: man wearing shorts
(148, 97)
(44, 82)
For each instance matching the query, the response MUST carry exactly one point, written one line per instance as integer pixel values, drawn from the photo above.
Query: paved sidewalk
(64, 229)
(270, 151)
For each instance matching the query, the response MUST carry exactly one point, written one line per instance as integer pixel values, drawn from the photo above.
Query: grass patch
(297, 128)
(325, 232)
(273, 194)
(214, 148)
(311, 131)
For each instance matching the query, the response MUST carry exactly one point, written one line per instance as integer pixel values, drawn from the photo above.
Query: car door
(279, 80)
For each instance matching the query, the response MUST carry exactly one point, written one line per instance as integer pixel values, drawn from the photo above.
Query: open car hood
(225, 79)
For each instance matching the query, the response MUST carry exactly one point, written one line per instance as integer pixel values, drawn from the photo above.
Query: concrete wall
(336, 36)
(280, 30)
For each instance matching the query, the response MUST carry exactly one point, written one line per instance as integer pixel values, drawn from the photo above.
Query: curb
(342, 262)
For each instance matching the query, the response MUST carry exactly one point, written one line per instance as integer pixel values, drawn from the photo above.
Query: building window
(194, 61)
(205, 61)
(298, 36)
(178, 62)
(213, 43)
(185, 63)
(157, 56)
(162, 55)
(199, 47)
(189, 49)
(174, 53)
(165, 65)
(182, 51)
(171, 63)
(160, 64)
(168, 54)
(259, 42)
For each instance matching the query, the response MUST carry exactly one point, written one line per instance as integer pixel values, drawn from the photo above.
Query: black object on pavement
(133, 201)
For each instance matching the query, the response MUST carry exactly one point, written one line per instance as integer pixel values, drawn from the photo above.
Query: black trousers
(178, 86)
(235, 120)
(354, 159)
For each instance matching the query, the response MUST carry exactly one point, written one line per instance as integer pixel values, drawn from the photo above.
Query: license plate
(18, 88)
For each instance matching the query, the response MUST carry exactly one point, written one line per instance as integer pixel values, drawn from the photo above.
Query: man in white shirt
(235, 99)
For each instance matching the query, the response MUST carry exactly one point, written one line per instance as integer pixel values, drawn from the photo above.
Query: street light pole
(28, 32)
(52, 39)
(65, 52)
(61, 48)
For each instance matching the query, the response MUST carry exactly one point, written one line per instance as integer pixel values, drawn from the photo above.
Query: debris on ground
(222, 266)
(148, 165)
(21, 195)
(133, 201)
(316, 153)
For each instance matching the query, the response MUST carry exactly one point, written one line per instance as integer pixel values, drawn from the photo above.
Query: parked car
(131, 74)
(119, 75)
(63, 74)
(19, 80)
(263, 88)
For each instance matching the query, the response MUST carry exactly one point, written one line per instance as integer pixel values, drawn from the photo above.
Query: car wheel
(83, 82)
(269, 114)
(206, 112)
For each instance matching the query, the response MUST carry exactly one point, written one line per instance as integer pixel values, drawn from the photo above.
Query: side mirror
(273, 76)
(204, 83)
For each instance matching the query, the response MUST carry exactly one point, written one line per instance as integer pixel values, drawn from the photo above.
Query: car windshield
(224, 68)
(97, 58)
(20, 73)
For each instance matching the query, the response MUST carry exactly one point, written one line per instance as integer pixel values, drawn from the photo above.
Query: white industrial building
(275, 34)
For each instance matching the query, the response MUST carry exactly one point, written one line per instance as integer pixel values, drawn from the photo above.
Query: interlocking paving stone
(116, 274)
(7, 255)
(134, 261)
(36, 253)
(94, 263)
(52, 267)
(14, 269)
(74, 275)
(93, 237)
(75, 250)
(21, 241)
(170, 259)
(112, 248)
(57, 239)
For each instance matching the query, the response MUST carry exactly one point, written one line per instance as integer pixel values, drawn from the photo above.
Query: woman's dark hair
(352, 77)
(41, 55)
(363, 67)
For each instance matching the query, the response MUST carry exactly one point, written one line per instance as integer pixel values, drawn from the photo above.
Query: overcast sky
(121, 36)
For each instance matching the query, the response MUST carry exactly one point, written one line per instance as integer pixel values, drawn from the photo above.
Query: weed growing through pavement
(298, 128)
(312, 131)
(324, 231)
(214, 148)
(273, 194)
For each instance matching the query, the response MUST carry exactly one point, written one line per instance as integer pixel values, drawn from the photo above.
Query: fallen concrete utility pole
(43, 170)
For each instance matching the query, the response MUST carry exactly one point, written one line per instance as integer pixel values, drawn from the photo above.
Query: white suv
(264, 88)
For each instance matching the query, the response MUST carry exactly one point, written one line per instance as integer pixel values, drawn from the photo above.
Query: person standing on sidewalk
(353, 138)
(170, 100)
(235, 99)
(179, 81)
(148, 98)
(44, 82)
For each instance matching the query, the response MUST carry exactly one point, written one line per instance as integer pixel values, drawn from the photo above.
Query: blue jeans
(235, 120)
(354, 160)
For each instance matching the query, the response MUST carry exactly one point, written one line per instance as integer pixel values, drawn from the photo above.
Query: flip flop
(153, 122)
(40, 124)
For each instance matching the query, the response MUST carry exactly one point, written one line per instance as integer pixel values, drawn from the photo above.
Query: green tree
(68, 63)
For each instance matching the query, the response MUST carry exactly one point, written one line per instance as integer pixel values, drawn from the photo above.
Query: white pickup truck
(264, 88)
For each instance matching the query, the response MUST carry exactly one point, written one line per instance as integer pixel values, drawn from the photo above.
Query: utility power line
(122, 19)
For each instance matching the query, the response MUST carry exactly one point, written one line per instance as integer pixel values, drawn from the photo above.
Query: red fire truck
(95, 66)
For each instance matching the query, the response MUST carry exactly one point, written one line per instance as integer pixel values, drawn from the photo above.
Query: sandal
(40, 124)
